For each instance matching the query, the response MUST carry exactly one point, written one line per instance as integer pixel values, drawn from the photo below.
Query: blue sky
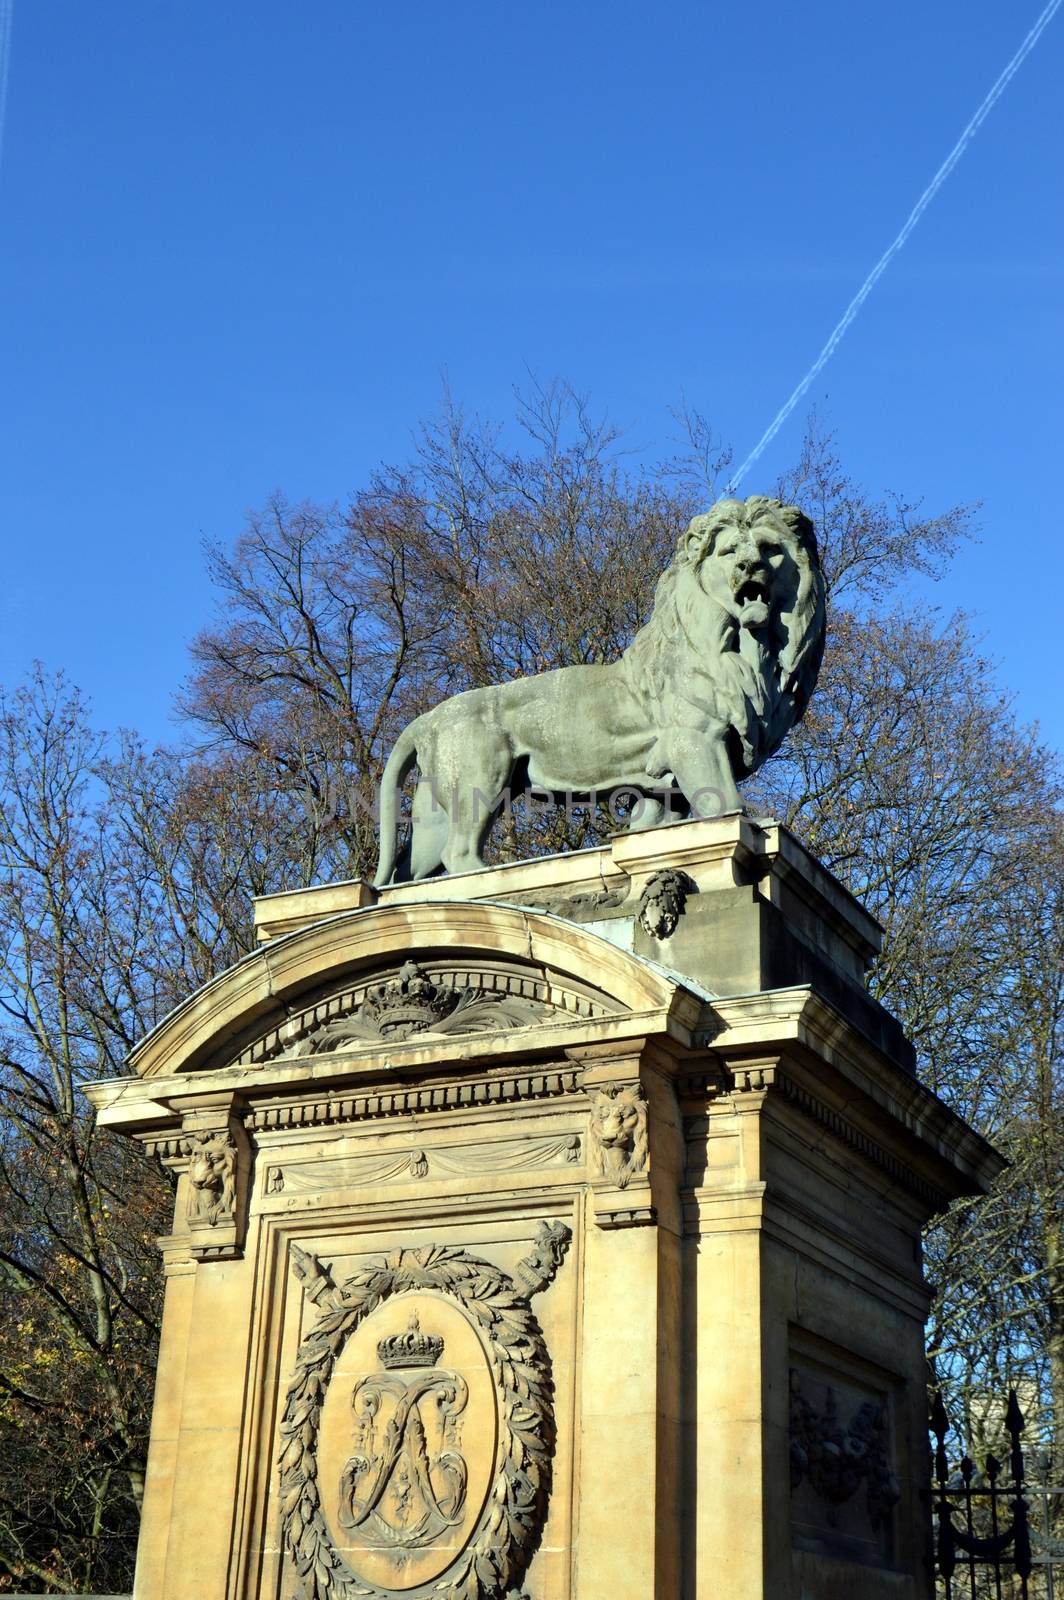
(241, 241)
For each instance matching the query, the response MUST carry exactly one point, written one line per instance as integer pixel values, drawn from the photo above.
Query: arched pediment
(385, 973)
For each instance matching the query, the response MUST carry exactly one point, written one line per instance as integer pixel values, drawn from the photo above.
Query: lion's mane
(691, 661)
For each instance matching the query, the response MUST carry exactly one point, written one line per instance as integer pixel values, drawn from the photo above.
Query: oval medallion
(408, 1441)
(415, 1444)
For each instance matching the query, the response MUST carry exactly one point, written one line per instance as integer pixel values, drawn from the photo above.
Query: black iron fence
(999, 1527)
(1046, 1515)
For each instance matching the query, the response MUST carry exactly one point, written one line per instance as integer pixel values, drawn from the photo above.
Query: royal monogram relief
(619, 1133)
(406, 1483)
(443, 1487)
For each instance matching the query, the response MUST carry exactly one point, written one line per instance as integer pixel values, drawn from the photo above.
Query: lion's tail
(396, 771)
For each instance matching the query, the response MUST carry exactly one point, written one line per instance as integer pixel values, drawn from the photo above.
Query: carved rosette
(404, 1491)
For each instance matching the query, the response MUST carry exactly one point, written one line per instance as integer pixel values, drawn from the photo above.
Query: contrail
(6, 9)
(891, 251)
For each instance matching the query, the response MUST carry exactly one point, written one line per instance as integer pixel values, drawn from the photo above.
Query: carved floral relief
(839, 1458)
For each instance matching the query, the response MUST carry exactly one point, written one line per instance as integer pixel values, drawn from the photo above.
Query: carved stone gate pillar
(629, 1535)
(550, 1231)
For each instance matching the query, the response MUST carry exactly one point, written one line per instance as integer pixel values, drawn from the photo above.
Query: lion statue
(703, 695)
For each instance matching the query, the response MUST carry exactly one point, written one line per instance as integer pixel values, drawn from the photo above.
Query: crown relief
(410, 1349)
(417, 1002)
(410, 1003)
(414, 1003)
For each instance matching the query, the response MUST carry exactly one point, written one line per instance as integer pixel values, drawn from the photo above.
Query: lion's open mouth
(753, 601)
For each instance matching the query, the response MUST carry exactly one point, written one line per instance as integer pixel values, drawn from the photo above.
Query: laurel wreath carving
(503, 1541)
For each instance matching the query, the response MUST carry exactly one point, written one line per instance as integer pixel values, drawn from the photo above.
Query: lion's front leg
(700, 760)
(659, 807)
(650, 812)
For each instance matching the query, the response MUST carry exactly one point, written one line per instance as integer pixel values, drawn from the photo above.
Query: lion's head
(737, 630)
(616, 1124)
(619, 1132)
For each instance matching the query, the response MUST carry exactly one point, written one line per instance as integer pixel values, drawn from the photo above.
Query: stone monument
(551, 1231)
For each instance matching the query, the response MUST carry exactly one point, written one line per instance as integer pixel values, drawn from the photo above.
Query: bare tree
(76, 1219)
(125, 880)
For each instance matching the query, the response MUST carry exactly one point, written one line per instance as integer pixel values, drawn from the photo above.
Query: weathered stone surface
(617, 1294)
(704, 694)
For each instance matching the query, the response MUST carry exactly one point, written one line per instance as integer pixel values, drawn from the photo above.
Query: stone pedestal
(551, 1230)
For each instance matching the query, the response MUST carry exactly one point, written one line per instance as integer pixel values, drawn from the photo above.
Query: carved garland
(662, 902)
(504, 1541)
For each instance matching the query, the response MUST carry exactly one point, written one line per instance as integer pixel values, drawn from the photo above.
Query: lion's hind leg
(477, 795)
(430, 831)
(472, 820)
